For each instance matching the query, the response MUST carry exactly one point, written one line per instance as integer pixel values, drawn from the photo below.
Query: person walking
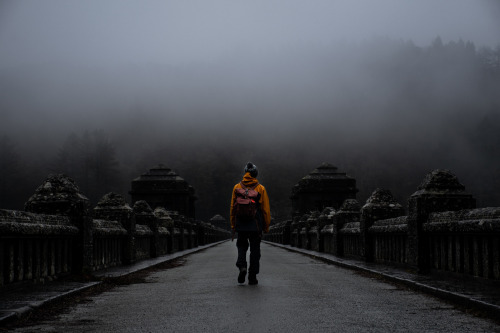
(250, 216)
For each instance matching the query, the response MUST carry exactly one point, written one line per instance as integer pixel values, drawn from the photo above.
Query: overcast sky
(68, 65)
(104, 33)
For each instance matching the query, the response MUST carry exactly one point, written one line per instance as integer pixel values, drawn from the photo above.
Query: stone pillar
(294, 231)
(162, 187)
(302, 230)
(201, 233)
(178, 230)
(59, 195)
(323, 220)
(166, 222)
(113, 207)
(188, 228)
(350, 211)
(144, 215)
(324, 187)
(440, 191)
(312, 232)
(379, 206)
(287, 232)
(194, 233)
(220, 222)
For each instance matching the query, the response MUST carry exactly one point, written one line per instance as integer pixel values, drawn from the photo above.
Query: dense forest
(384, 111)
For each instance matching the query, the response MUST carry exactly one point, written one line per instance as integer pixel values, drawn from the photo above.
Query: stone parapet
(59, 234)
(443, 231)
(35, 249)
(17, 223)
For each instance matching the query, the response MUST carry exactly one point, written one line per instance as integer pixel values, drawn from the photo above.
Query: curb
(15, 314)
(491, 310)
(149, 263)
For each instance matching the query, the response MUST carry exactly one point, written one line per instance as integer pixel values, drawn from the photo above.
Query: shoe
(241, 276)
(252, 279)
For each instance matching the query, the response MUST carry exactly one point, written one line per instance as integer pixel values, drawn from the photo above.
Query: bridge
(442, 245)
(198, 292)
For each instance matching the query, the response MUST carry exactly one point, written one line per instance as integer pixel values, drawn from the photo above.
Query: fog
(385, 90)
(180, 32)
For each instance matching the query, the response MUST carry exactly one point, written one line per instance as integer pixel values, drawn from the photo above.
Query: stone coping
(108, 228)
(394, 225)
(351, 228)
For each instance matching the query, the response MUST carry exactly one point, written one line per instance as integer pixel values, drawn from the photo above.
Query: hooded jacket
(264, 207)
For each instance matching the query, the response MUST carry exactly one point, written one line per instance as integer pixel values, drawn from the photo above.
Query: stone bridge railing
(58, 234)
(442, 232)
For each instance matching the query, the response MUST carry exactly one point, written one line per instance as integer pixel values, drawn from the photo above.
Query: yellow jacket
(250, 181)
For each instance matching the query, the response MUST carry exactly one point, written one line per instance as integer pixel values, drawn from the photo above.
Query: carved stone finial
(112, 200)
(142, 207)
(382, 197)
(350, 205)
(441, 181)
(58, 194)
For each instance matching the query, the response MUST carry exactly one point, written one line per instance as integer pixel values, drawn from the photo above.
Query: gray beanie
(252, 168)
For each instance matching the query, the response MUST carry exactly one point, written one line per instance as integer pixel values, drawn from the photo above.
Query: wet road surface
(295, 294)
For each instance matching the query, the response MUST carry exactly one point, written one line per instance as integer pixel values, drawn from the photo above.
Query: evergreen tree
(91, 161)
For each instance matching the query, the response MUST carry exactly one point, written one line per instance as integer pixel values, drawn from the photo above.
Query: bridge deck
(296, 293)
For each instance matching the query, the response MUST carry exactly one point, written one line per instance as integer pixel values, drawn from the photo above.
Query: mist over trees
(90, 160)
(385, 111)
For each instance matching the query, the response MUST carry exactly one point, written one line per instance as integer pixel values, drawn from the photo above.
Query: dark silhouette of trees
(10, 173)
(90, 159)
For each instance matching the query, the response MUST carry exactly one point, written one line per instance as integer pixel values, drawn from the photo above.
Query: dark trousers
(246, 238)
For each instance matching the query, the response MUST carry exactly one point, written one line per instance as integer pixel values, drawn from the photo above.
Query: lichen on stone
(350, 205)
(58, 194)
(441, 180)
(382, 197)
(112, 200)
(142, 207)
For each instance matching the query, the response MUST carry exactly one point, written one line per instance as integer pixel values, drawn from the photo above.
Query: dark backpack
(246, 203)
